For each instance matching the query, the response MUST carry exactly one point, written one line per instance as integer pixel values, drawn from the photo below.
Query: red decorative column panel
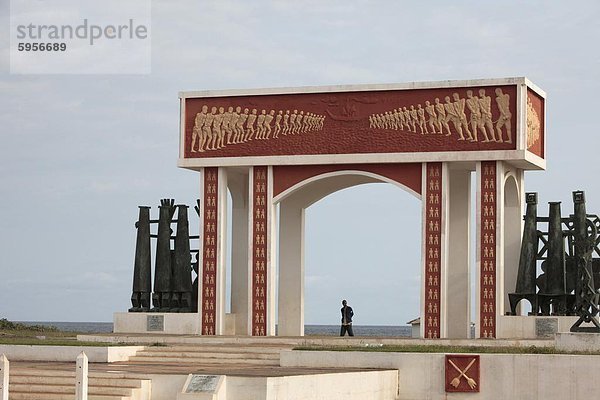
(487, 243)
(210, 239)
(433, 240)
(259, 252)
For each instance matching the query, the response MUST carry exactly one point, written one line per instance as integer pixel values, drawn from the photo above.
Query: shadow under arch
(512, 233)
(293, 202)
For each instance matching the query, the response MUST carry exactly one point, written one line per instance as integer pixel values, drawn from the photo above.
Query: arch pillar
(500, 204)
(433, 311)
(291, 269)
(457, 278)
(213, 244)
(239, 183)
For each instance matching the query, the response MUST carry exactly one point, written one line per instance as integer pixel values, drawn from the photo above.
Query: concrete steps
(210, 355)
(42, 384)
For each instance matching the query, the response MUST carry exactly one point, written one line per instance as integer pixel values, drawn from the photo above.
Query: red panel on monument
(462, 373)
(361, 122)
(433, 250)
(487, 243)
(286, 176)
(260, 251)
(210, 242)
(535, 123)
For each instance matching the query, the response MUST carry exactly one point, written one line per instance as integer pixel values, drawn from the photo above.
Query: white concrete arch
(333, 181)
(512, 217)
(292, 205)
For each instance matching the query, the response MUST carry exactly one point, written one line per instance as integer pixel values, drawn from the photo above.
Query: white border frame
(520, 157)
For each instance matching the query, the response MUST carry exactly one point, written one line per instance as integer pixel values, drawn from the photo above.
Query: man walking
(347, 315)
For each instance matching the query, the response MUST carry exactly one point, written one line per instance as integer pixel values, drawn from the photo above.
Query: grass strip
(446, 349)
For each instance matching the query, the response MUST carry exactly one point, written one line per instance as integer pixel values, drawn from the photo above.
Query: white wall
(503, 376)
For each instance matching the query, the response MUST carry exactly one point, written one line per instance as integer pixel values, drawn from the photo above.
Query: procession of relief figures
(213, 131)
(436, 118)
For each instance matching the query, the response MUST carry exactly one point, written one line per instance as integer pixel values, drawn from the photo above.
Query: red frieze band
(210, 239)
(433, 222)
(487, 242)
(259, 253)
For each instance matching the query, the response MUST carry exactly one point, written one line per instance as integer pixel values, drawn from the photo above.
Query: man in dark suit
(347, 315)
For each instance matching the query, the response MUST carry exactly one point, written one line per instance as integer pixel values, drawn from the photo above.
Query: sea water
(318, 330)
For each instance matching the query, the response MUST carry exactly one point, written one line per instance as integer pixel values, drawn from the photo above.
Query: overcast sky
(79, 153)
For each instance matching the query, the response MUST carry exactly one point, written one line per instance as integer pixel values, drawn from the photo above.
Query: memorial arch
(304, 188)
(290, 147)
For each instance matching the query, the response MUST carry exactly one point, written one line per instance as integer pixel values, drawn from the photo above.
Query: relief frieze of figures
(219, 128)
(469, 118)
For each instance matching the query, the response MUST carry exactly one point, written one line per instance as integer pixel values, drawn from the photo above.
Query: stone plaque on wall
(546, 327)
(155, 323)
(202, 383)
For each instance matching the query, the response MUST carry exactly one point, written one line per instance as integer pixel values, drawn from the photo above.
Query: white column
(4, 374)
(291, 269)
(271, 254)
(240, 289)
(221, 252)
(81, 383)
(457, 276)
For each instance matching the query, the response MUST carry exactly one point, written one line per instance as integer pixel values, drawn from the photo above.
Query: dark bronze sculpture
(586, 293)
(161, 299)
(142, 270)
(174, 265)
(181, 282)
(566, 285)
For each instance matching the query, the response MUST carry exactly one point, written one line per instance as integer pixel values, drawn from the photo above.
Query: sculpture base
(157, 322)
(578, 341)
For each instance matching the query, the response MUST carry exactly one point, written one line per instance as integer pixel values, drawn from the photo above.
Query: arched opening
(362, 243)
(512, 236)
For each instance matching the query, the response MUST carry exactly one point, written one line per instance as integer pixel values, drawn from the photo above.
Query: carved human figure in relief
(414, 119)
(278, 124)
(503, 101)
(298, 125)
(306, 122)
(421, 115)
(197, 130)
(250, 126)
(485, 104)
(267, 124)
(459, 106)
(442, 118)
(235, 116)
(533, 124)
(432, 118)
(476, 120)
(286, 125)
(406, 114)
(239, 135)
(397, 119)
(452, 116)
(402, 120)
(227, 129)
(218, 128)
(260, 125)
(293, 121)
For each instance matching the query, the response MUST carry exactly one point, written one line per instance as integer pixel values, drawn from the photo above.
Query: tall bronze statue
(142, 270)
(161, 299)
(181, 283)
(586, 293)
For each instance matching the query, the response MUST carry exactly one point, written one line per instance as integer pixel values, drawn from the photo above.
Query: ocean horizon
(309, 329)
